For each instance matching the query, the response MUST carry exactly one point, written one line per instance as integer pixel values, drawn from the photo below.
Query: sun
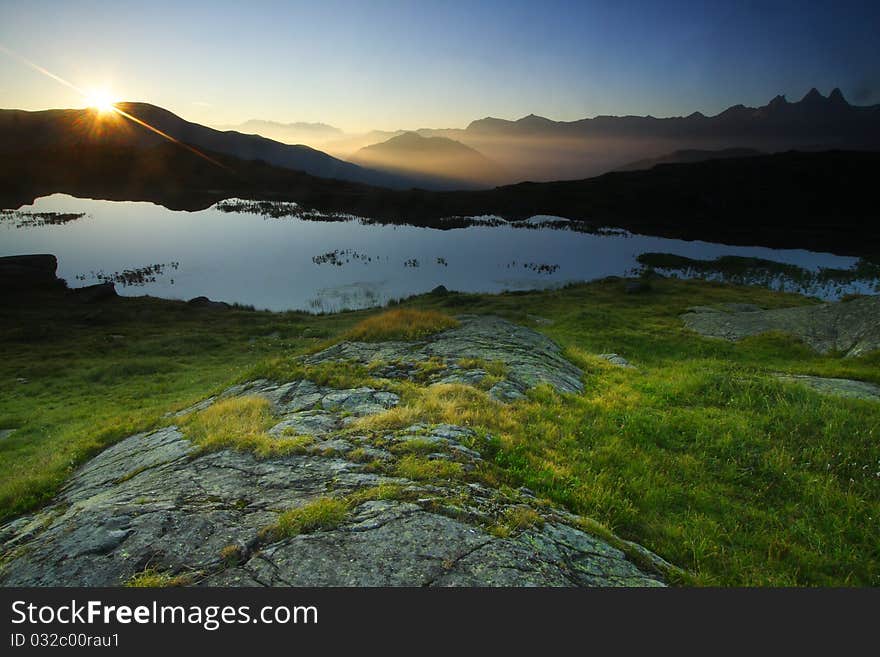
(101, 100)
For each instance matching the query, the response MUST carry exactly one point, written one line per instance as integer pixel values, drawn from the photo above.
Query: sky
(396, 64)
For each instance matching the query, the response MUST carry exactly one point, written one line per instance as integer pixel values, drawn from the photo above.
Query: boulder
(94, 293)
(22, 273)
(205, 302)
(636, 287)
(851, 328)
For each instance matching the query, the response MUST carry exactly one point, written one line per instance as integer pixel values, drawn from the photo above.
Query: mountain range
(487, 153)
(540, 149)
(536, 148)
(20, 131)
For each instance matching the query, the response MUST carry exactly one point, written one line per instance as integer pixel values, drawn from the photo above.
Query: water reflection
(829, 282)
(280, 256)
(24, 219)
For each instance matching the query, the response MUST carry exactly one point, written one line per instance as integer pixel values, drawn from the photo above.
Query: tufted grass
(452, 403)
(152, 578)
(400, 324)
(516, 519)
(421, 469)
(240, 423)
(321, 513)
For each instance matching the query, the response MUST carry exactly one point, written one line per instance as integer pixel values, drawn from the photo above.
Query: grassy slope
(698, 454)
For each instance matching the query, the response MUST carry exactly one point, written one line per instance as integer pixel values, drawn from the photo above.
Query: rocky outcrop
(205, 302)
(834, 386)
(94, 293)
(415, 513)
(28, 274)
(851, 328)
(528, 358)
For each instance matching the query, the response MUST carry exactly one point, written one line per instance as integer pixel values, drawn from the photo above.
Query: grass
(699, 454)
(493, 367)
(241, 423)
(452, 403)
(321, 513)
(516, 519)
(152, 578)
(401, 324)
(421, 469)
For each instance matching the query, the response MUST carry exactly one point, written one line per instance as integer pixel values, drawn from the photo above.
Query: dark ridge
(823, 201)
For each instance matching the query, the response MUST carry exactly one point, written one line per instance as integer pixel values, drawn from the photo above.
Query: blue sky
(395, 64)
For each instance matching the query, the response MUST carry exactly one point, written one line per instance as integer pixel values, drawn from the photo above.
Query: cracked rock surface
(851, 328)
(833, 386)
(155, 501)
(529, 357)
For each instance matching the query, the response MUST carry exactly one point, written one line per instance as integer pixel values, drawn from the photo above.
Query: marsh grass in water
(767, 273)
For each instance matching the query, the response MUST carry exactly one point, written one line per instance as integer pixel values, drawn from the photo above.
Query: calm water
(291, 263)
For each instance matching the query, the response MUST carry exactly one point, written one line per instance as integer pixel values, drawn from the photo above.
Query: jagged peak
(813, 95)
(534, 118)
(836, 96)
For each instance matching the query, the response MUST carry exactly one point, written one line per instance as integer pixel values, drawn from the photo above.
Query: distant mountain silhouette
(349, 144)
(20, 130)
(299, 132)
(827, 121)
(442, 162)
(540, 149)
(321, 136)
(489, 151)
(692, 155)
(536, 148)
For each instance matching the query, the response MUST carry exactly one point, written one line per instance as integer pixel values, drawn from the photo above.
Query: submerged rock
(851, 328)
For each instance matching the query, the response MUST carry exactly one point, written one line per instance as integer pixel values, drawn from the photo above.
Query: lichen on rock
(408, 508)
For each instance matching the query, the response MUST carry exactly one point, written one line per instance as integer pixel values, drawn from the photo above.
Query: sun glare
(101, 100)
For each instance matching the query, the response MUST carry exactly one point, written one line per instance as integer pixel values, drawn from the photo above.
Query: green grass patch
(322, 513)
(516, 519)
(152, 578)
(240, 423)
(493, 367)
(418, 469)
